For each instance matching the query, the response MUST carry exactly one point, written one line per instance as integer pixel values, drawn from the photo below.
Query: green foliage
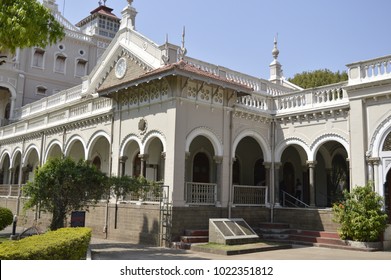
(6, 217)
(360, 215)
(139, 186)
(62, 185)
(27, 23)
(318, 78)
(62, 244)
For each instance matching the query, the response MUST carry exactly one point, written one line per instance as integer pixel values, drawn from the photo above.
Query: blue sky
(312, 34)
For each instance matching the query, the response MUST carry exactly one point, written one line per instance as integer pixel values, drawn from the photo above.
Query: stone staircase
(190, 237)
(283, 233)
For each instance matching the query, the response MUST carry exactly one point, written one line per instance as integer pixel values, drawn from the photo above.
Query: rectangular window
(60, 64)
(81, 67)
(38, 58)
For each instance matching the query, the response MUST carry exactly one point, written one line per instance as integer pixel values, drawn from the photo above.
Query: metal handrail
(297, 202)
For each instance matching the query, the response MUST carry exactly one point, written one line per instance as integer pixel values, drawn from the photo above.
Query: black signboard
(78, 218)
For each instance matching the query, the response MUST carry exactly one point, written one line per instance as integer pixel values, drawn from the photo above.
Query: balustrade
(250, 195)
(201, 193)
(374, 69)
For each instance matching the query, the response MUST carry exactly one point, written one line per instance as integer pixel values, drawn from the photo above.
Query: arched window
(201, 168)
(387, 143)
(38, 58)
(81, 68)
(97, 163)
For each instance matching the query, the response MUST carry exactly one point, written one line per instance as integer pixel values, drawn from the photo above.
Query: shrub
(6, 217)
(62, 244)
(360, 215)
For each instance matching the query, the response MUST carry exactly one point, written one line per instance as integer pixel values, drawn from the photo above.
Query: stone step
(196, 232)
(194, 239)
(274, 226)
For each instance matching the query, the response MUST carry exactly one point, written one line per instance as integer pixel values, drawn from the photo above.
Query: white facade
(217, 137)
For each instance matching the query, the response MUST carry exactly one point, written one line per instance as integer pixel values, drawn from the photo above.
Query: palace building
(223, 143)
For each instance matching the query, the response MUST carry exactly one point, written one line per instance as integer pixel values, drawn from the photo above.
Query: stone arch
(326, 138)
(72, 141)
(378, 137)
(129, 138)
(150, 136)
(28, 152)
(292, 141)
(3, 155)
(93, 139)
(15, 155)
(206, 132)
(257, 137)
(49, 148)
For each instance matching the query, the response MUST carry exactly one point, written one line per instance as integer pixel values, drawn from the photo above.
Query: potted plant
(360, 216)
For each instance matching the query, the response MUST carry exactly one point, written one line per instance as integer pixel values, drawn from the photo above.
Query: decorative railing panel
(201, 193)
(250, 195)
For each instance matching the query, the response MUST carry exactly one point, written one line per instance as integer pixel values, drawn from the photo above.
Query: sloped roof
(101, 10)
(180, 68)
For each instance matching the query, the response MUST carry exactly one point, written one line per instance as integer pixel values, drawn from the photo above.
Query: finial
(100, 3)
(275, 51)
(104, 2)
(130, 2)
(183, 51)
(166, 57)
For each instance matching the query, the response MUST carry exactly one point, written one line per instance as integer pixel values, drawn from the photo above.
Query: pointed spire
(275, 51)
(129, 16)
(275, 67)
(183, 51)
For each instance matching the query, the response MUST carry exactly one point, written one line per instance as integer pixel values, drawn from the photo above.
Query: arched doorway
(97, 163)
(259, 173)
(289, 178)
(387, 195)
(201, 171)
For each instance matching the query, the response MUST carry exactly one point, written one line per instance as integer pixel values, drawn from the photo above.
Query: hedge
(62, 244)
(6, 217)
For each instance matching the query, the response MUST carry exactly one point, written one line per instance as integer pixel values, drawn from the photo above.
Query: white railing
(63, 115)
(9, 190)
(258, 85)
(201, 193)
(258, 103)
(370, 70)
(58, 99)
(317, 98)
(250, 195)
(148, 197)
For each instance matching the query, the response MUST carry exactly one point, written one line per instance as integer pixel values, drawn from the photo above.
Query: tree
(318, 78)
(360, 215)
(27, 23)
(62, 185)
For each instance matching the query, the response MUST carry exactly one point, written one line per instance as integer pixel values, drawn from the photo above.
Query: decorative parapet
(370, 70)
(52, 118)
(320, 98)
(50, 102)
(258, 85)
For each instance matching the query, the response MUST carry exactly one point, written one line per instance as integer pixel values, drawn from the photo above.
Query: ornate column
(218, 160)
(143, 158)
(163, 165)
(311, 167)
(277, 166)
(268, 165)
(187, 175)
(11, 175)
(370, 169)
(122, 163)
(376, 162)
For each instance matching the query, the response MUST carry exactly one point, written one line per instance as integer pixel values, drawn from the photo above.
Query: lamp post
(13, 235)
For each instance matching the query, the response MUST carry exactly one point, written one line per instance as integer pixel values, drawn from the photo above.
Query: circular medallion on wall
(120, 68)
(142, 126)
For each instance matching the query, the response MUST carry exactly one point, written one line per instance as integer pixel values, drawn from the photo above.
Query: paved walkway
(103, 249)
